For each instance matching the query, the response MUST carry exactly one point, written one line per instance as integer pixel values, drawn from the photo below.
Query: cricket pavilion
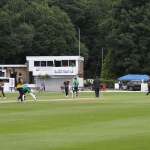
(51, 71)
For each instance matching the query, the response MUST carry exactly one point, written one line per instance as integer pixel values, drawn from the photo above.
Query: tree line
(115, 34)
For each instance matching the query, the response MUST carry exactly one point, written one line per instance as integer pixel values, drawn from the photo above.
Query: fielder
(25, 90)
(75, 88)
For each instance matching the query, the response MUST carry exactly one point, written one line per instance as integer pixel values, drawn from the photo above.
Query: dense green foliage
(116, 121)
(50, 27)
(129, 40)
(35, 29)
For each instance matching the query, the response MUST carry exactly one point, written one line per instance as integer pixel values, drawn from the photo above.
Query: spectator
(2, 89)
(120, 85)
(148, 88)
(43, 86)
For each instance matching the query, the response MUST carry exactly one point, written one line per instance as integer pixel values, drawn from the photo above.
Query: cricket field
(115, 121)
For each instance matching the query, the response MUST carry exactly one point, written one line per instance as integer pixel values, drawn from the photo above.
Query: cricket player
(25, 90)
(75, 87)
(19, 88)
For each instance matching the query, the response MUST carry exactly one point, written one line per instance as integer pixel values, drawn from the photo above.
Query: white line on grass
(52, 100)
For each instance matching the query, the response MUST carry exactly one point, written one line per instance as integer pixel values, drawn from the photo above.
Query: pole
(102, 56)
(79, 40)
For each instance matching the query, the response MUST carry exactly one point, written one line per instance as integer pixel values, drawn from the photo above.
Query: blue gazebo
(134, 77)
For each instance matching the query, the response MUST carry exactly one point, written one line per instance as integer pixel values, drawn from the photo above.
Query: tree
(89, 16)
(34, 28)
(129, 39)
(107, 68)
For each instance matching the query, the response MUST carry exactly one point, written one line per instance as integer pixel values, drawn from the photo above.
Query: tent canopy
(134, 77)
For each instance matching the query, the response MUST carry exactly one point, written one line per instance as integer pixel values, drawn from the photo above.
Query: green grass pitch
(116, 121)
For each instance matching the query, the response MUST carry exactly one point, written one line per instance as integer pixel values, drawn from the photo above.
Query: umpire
(96, 85)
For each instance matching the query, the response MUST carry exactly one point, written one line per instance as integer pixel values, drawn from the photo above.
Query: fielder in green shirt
(25, 90)
(75, 87)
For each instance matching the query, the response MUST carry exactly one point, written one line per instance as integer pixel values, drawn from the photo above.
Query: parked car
(134, 85)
